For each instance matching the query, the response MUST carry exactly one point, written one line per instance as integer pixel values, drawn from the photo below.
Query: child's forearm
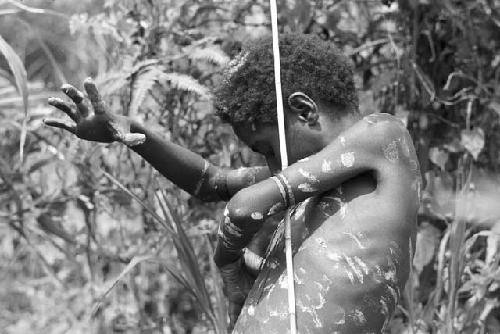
(184, 168)
(191, 172)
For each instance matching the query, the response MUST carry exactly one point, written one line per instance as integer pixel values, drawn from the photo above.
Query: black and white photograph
(250, 166)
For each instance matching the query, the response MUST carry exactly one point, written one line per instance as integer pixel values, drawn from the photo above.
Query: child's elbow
(242, 208)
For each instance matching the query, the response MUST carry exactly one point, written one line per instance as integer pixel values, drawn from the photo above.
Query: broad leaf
(473, 141)
(427, 241)
(438, 156)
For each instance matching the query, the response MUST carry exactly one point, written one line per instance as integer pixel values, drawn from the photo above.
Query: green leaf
(473, 141)
(21, 81)
(438, 156)
(495, 106)
(425, 247)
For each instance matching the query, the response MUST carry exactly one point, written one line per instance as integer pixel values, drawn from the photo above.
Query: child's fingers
(94, 96)
(60, 124)
(64, 107)
(133, 139)
(77, 97)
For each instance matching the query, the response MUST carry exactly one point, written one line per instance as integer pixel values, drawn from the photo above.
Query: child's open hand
(99, 125)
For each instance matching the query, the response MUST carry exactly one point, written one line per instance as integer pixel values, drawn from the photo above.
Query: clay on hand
(99, 125)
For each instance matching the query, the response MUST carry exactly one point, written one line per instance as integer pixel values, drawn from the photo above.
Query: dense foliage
(93, 240)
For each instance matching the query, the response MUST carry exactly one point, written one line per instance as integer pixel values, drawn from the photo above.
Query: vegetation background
(93, 240)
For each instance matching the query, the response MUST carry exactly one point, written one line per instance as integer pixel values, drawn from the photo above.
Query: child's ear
(304, 106)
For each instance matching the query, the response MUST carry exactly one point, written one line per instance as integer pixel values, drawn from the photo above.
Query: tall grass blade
(50, 56)
(34, 10)
(457, 240)
(186, 246)
(194, 282)
(221, 309)
(189, 262)
(144, 205)
(21, 80)
(441, 257)
(134, 262)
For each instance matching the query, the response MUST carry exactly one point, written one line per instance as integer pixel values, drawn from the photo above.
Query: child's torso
(351, 261)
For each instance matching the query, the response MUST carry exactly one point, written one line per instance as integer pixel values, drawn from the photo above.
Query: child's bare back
(352, 251)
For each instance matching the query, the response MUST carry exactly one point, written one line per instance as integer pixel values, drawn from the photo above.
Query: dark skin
(176, 163)
(358, 191)
(356, 194)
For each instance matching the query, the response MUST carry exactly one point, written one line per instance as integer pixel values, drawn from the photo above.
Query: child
(352, 189)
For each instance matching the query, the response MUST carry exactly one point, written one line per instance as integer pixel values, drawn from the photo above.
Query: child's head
(308, 64)
(317, 83)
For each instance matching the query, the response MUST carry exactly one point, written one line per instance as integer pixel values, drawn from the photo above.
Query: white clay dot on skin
(363, 265)
(300, 210)
(257, 216)
(297, 279)
(343, 210)
(355, 239)
(308, 175)
(283, 281)
(326, 166)
(321, 242)
(347, 159)
(306, 187)
(275, 208)
(391, 152)
(342, 140)
(354, 268)
(251, 310)
(333, 256)
(350, 276)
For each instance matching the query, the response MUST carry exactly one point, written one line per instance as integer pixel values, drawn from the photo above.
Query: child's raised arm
(186, 169)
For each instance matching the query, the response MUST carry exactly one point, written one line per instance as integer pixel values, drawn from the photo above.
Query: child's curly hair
(308, 64)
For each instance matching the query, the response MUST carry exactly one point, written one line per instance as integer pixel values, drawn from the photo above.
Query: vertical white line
(277, 80)
(284, 164)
